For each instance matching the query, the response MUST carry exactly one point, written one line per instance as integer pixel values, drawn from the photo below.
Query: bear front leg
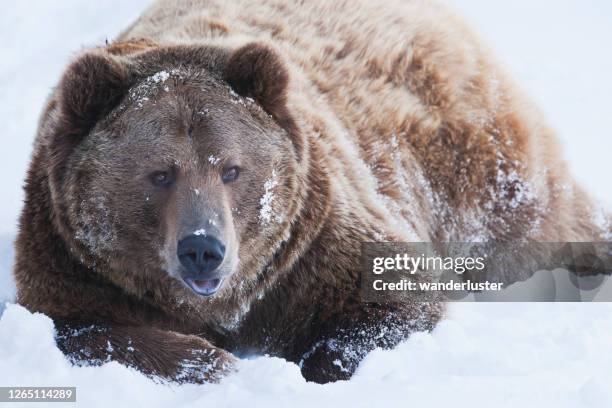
(159, 354)
(346, 338)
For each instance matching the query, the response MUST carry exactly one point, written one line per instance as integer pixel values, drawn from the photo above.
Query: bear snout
(201, 256)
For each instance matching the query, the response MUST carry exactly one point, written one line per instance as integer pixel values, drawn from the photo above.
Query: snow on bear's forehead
(146, 93)
(141, 93)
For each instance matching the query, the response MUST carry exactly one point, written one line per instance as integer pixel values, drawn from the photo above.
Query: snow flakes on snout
(266, 212)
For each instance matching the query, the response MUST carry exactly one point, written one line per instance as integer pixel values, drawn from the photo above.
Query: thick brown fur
(367, 122)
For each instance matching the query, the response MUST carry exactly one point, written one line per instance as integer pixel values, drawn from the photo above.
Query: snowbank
(527, 355)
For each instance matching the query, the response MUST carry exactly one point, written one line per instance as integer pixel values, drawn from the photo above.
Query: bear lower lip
(204, 287)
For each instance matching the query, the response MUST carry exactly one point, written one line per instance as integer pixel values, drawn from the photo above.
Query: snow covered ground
(511, 355)
(483, 355)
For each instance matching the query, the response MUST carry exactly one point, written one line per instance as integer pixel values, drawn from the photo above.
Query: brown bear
(201, 187)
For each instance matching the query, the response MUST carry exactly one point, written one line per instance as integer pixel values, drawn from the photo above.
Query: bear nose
(200, 254)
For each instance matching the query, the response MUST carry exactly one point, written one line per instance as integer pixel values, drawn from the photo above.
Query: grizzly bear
(200, 188)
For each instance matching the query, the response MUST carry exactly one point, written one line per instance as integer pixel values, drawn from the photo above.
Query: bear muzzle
(200, 257)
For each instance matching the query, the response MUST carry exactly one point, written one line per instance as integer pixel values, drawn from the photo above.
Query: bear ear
(256, 71)
(91, 86)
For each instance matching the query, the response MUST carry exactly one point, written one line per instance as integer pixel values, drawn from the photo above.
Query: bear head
(175, 164)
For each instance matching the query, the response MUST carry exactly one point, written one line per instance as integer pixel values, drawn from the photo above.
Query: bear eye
(161, 178)
(230, 174)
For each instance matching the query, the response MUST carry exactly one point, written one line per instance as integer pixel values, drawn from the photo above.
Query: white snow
(213, 160)
(7, 287)
(510, 355)
(160, 76)
(201, 231)
(266, 212)
(486, 354)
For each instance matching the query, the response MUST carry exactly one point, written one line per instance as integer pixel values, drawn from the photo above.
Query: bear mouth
(204, 287)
